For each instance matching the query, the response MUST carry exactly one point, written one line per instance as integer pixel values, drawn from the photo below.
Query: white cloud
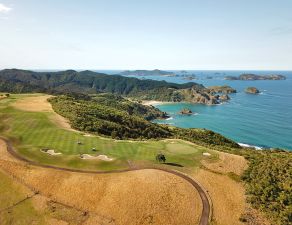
(4, 8)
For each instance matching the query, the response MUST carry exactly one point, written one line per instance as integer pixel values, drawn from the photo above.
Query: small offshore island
(186, 111)
(155, 72)
(252, 90)
(256, 77)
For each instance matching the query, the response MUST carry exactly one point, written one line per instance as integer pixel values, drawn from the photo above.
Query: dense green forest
(269, 183)
(99, 115)
(23, 81)
(88, 82)
(115, 116)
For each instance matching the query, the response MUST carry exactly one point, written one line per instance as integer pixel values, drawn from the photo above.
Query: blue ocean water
(263, 120)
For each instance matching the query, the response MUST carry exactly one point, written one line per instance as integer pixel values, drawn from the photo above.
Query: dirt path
(206, 212)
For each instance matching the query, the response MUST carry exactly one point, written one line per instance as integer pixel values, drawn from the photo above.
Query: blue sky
(146, 34)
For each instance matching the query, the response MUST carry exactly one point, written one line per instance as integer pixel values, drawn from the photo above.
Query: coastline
(153, 102)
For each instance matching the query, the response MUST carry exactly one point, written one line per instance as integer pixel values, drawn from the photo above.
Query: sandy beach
(152, 102)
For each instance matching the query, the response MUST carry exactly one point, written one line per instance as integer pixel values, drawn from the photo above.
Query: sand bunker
(100, 157)
(206, 154)
(51, 152)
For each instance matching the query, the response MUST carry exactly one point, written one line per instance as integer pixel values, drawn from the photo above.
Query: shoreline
(153, 102)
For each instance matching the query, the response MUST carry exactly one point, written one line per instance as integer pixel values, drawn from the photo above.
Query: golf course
(87, 175)
(32, 129)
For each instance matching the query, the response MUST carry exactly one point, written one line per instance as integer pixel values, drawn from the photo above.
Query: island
(225, 89)
(186, 111)
(155, 72)
(193, 77)
(252, 90)
(249, 76)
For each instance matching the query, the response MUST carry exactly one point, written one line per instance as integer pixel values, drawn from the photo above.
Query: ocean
(263, 120)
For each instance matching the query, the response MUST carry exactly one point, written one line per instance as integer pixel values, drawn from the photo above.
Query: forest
(24, 81)
(269, 183)
(115, 116)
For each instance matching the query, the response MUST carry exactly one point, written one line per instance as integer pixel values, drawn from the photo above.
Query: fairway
(32, 130)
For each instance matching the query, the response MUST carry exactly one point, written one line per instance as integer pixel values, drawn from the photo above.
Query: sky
(146, 34)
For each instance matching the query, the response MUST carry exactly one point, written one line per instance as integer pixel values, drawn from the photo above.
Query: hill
(19, 81)
(88, 82)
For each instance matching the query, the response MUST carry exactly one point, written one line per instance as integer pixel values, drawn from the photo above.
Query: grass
(22, 213)
(32, 131)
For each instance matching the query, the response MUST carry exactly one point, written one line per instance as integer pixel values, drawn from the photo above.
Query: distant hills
(256, 77)
(146, 73)
(89, 82)
(19, 81)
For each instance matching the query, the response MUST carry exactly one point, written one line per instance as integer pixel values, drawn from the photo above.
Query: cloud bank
(4, 8)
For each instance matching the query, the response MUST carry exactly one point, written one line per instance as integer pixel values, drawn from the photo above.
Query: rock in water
(186, 112)
(252, 90)
(224, 98)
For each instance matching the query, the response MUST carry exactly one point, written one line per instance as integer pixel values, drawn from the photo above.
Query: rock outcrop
(252, 90)
(225, 89)
(186, 112)
(224, 98)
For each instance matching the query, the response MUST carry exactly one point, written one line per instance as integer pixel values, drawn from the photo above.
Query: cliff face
(208, 96)
(200, 96)
(221, 89)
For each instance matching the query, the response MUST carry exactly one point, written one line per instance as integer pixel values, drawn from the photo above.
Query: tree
(160, 158)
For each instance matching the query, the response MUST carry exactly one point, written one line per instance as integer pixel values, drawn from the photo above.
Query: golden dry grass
(138, 197)
(34, 104)
(227, 163)
(228, 197)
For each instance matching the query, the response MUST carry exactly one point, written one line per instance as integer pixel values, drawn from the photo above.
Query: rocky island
(190, 78)
(186, 111)
(256, 77)
(225, 89)
(252, 90)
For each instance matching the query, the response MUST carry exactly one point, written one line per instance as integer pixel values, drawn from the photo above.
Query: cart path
(206, 212)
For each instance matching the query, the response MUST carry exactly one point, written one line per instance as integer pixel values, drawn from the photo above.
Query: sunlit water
(263, 120)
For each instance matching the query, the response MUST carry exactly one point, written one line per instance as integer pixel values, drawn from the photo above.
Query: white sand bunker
(51, 152)
(87, 135)
(206, 154)
(100, 157)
